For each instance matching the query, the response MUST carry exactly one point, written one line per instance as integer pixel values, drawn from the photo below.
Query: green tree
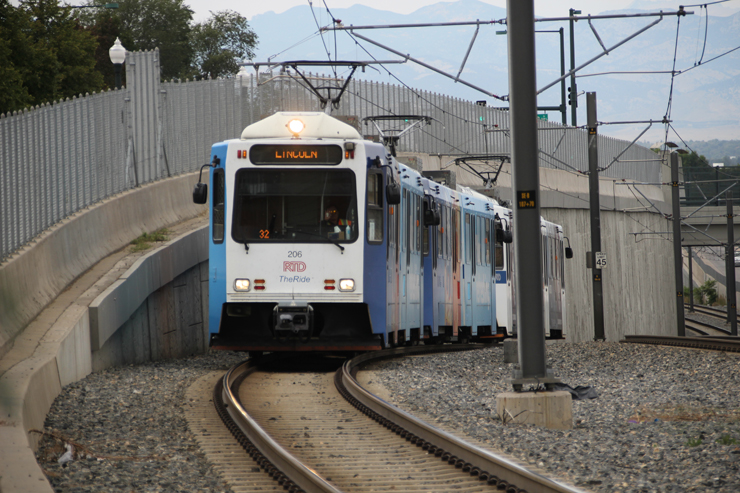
(694, 160)
(163, 24)
(14, 51)
(220, 43)
(45, 53)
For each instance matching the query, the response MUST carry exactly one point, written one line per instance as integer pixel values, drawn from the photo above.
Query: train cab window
(374, 207)
(218, 206)
(294, 206)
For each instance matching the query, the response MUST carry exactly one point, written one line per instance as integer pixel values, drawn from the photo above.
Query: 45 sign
(600, 260)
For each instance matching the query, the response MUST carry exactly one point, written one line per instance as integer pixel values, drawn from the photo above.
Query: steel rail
(509, 475)
(728, 344)
(291, 473)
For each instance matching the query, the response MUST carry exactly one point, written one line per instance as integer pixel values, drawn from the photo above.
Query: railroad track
(708, 329)
(720, 343)
(313, 432)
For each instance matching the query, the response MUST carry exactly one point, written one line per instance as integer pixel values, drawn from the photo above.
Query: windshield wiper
(328, 240)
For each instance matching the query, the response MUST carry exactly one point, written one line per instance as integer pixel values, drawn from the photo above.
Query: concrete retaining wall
(638, 283)
(30, 280)
(157, 306)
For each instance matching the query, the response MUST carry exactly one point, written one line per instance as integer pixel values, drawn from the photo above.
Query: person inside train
(333, 223)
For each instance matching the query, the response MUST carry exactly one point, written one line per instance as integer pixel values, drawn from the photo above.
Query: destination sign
(290, 154)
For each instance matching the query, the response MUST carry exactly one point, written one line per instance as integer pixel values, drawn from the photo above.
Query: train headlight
(241, 285)
(346, 285)
(296, 127)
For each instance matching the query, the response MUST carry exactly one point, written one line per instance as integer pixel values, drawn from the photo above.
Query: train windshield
(294, 206)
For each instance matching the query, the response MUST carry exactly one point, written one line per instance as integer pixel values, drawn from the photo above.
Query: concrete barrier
(44, 358)
(34, 277)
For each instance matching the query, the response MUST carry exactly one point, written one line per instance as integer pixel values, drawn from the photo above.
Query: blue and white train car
(460, 299)
(309, 248)
(553, 278)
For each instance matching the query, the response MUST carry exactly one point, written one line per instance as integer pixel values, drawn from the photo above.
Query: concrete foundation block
(553, 410)
(511, 351)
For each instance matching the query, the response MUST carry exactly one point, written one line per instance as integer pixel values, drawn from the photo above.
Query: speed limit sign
(600, 260)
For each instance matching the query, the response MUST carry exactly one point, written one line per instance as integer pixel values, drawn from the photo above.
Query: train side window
(488, 242)
(418, 225)
(499, 256)
(440, 229)
(218, 206)
(425, 241)
(466, 235)
(374, 208)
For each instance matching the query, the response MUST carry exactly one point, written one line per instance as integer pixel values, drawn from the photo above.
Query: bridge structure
(81, 178)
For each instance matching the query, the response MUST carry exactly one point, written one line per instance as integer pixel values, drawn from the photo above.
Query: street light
(117, 55)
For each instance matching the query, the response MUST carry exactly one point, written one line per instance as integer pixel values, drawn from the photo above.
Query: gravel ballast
(666, 419)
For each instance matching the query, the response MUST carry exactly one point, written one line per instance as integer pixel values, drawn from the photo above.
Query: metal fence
(58, 159)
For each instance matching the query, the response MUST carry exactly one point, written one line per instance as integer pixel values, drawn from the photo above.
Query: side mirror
(393, 194)
(568, 252)
(503, 236)
(431, 214)
(200, 193)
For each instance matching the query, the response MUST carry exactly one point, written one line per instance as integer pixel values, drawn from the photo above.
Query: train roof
(317, 125)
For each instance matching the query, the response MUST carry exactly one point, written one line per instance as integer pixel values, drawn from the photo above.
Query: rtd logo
(292, 266)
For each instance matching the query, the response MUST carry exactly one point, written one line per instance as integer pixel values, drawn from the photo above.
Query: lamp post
(117, 55)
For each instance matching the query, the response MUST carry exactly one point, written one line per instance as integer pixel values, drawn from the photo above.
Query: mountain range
(702, 101)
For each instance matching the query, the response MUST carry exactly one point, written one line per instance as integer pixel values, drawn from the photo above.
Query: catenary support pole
(691, 282)
(593, 192)
(573, 87)
(730, 263)
(677, 255)
(526, 188)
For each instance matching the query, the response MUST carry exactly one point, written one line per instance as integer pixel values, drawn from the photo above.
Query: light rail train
(322, 241)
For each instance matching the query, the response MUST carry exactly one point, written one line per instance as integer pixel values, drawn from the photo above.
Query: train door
(456, 260)
(415, 266)
(468, 270)
(501, 277)
(561, 267)
(546, 280)
(556, 295)
(443, 275)
(380, 255)
(481, 280)
(431, 264)
(512, 286)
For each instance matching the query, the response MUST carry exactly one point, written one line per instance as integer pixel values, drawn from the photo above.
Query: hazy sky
(543, 8)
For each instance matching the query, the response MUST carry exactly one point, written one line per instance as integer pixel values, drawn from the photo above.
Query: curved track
(300, 430)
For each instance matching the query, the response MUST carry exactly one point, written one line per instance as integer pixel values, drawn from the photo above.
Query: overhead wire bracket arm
(598, 38)
(605, 52)
(467, 53)
(430, 67)
(616, 158)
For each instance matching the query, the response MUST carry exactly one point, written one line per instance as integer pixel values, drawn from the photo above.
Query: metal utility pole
(677, 255)
(598, 259)
(730, 267)
(573, 89)
(691, 282)
(526, 187)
